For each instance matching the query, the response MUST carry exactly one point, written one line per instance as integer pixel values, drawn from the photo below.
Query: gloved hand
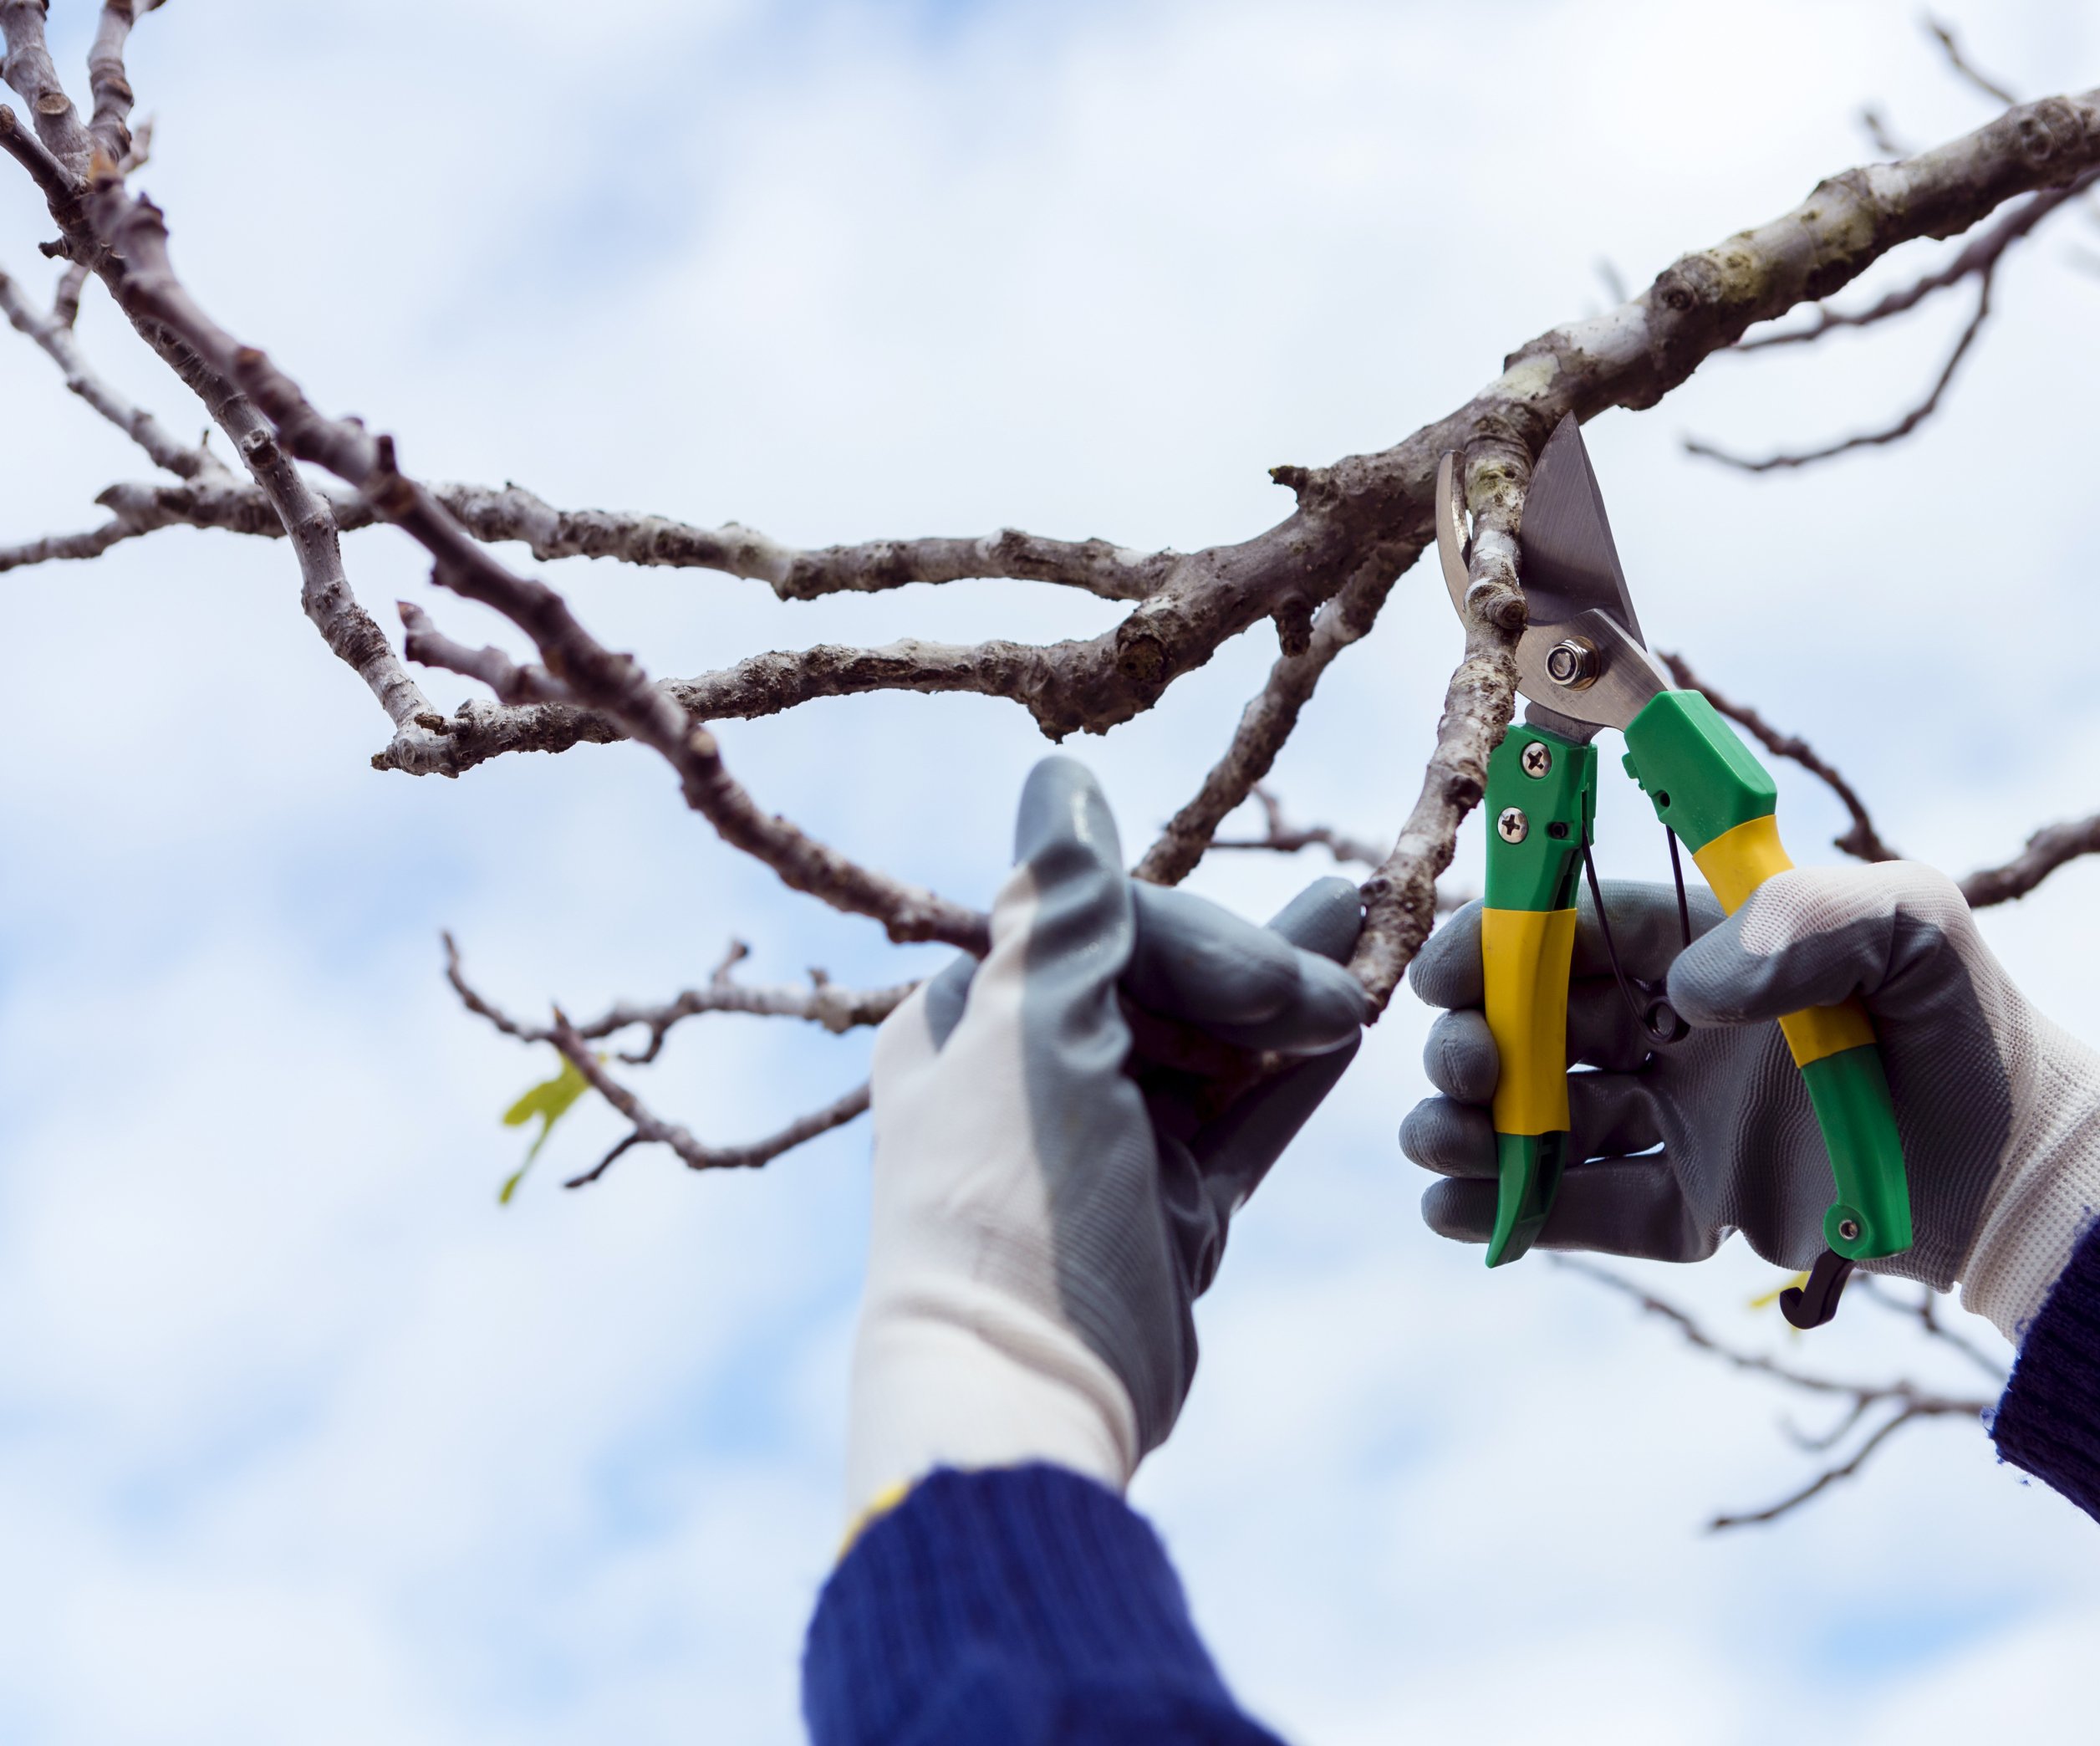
(1999, 1110)
(1041, 1225)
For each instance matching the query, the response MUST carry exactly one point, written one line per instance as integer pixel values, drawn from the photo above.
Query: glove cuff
(956, 1375)
(2043, 1202)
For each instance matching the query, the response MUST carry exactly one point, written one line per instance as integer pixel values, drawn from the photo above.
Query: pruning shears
(1582, 665)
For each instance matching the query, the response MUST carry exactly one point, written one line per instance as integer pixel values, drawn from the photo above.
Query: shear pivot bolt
(1512, 826)
(1572, 665)
(1849, 1228)
(1538, 758)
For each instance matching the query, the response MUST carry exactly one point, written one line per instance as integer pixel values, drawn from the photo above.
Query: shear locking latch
(1813, 1304)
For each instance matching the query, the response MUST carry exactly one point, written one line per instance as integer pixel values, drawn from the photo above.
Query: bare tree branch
(1367, 516)
(1113, 572)
(54, 335)
(1285, 838)
(1356, 524)
(1399, 899)
(65, 304)
(1879, 135)
(28, 69)
(92, 543)
(325, 593)
(1907, 1415)
(1895, 433)
(1911, 1403)
(428, 646)
(651, 1130)
(648, 1129)
(1924, 1308)
(2047, 850)
(823, 1002)
(149, 291)
(1967, 69)
(106, 79)
(1862, 841)
(1269, 719)
(1979, 257)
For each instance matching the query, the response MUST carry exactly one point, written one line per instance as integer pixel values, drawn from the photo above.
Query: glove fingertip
(1062, 809)
(1325, 918)
(1460, 1210)
(1446, 972)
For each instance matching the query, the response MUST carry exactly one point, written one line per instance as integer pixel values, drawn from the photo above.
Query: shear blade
(1569, 564)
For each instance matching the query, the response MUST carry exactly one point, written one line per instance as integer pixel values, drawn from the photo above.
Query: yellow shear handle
(1525, 956)
(1735, 863)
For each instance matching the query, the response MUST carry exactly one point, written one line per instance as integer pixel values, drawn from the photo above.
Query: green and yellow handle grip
(1711, 791)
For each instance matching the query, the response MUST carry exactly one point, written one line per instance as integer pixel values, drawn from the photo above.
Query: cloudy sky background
(303, 1440)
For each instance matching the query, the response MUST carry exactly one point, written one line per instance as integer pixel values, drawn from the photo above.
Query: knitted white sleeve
(2048, 1193)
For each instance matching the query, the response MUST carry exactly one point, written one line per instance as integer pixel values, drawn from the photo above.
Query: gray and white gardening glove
(1042, 1223)
(1999, 1110)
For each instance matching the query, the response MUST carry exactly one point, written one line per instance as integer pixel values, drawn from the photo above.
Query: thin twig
(1895, 433)
(2047, 850)
(1879, 133)
(1284, 838)
(1912, 1403)
(1924, 1310)
(1966, 67)
(428, 646)
(651, 1130)
(1862, 841)
(1845, 1469)
(823, 1002)
(647, 1128)
(53, 334)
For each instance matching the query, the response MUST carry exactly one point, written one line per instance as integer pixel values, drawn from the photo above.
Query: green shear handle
(1711, 792)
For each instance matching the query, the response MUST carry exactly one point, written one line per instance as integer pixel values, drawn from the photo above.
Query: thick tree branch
(1862, 841)
(1979, 257)
(1366, 517)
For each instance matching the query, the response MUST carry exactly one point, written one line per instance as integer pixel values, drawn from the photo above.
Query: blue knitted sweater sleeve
(2049, 1421)
(1025, 1605)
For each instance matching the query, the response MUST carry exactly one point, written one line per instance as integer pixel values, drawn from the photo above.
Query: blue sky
(302, 1439)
